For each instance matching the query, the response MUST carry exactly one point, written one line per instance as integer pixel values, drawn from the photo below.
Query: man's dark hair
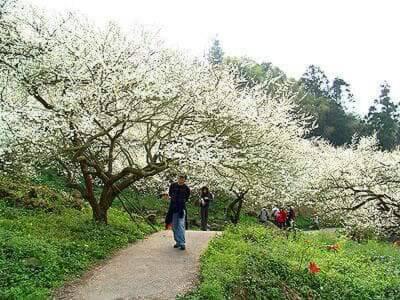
(204, 190)
(182, 176)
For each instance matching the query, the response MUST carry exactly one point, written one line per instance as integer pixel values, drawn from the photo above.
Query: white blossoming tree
(113, 109)
(358, 183)
(262, 163)
(110, 108)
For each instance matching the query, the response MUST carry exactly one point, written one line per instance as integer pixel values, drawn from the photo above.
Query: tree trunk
(238, 210)
(100, 215)
(99, 212)
(233, 210)
(101, 209)
(234, 215)
(229, 210)
(108, 194)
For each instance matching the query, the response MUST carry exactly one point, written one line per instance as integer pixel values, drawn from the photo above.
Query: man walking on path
(179, 194)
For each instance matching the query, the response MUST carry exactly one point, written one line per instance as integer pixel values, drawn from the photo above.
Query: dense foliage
(383, 118)
(252, 262)
(357, 185)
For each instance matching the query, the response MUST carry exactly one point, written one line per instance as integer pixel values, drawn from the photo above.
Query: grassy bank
(252, 262)
(47, 236)
(45, 241)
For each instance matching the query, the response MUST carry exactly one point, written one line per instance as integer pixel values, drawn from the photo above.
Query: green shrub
(23, 194)
(253, 262)
(361, 234)
(304, 223)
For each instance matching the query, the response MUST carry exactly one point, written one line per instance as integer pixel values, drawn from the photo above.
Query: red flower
(335, 247)
(313, 268)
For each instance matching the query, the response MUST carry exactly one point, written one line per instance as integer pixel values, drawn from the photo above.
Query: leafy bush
(21, 193)
(361, 233)
(253, 262)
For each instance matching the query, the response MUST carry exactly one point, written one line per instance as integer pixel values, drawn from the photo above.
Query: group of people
(176, 218)
(279, 216)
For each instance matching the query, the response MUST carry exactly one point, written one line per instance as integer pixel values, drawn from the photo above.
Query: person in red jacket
(281, 217)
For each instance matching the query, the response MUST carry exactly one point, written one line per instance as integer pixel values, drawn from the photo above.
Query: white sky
(357, 40)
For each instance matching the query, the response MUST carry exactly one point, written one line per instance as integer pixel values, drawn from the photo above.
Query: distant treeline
(329, 102)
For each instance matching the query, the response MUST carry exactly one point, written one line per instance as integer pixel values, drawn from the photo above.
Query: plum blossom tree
(112, 109)
(360, 183)
(261, 166)
(109, 108)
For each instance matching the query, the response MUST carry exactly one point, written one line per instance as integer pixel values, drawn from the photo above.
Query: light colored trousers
(178, 227)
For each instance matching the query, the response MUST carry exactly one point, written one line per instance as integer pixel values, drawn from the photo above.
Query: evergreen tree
(252, 73)
(383, 119)
(341, 93)
(315, 81)
(215, 53)
(327, 102)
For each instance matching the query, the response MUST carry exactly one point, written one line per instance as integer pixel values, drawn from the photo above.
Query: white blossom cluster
(357, 184)
(112, 109)
(116, 108)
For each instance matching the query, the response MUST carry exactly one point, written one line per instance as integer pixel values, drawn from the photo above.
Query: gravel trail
(148, 269)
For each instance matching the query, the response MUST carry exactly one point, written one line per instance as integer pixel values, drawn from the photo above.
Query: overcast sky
(357, 40)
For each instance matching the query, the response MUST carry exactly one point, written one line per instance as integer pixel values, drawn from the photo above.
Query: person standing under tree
(281, 218)
(205, 198)
(179, 194)
(290, 217)
(263, 216)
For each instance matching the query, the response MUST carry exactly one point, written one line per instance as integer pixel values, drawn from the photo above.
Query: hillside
(47, 237)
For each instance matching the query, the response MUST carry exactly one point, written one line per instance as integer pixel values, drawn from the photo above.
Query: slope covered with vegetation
(253, 262)
(47, 238)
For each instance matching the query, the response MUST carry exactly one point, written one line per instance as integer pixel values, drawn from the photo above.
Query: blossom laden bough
(112, 108)
(358, 183)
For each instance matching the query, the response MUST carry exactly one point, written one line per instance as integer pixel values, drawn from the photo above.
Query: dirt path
(149, 269)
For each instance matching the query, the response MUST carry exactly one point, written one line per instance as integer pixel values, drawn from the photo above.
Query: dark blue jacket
(179, 195)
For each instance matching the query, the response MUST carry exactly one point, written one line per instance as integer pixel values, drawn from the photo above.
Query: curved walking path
(148, 269)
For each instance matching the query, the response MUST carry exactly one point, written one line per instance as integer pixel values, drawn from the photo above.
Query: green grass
(50, 178)
(253, 262)
(39, 251)
(50, 238)
(43, 246)
(304, 223)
